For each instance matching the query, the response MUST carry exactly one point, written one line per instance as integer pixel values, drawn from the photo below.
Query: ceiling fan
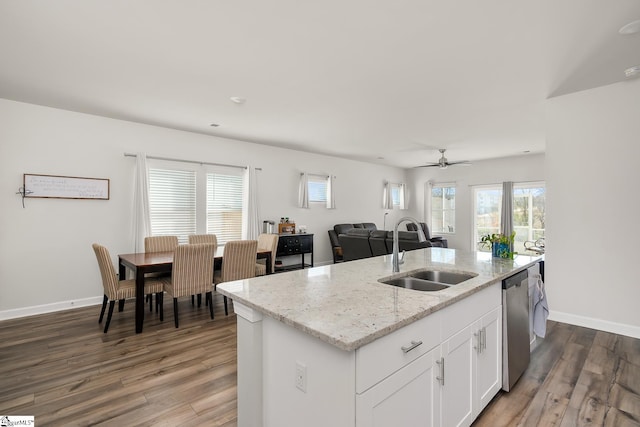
(443, 163)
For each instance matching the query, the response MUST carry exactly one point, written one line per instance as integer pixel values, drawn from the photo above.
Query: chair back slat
(108, 273)
(160, 243)
(239, 260)
(192, 271)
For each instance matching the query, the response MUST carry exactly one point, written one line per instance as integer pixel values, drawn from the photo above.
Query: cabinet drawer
(470, 309)
(381, 358)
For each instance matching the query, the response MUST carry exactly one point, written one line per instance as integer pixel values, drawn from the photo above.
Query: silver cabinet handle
(478, 336)
(484, 338)
(413, 345)
(441, 376)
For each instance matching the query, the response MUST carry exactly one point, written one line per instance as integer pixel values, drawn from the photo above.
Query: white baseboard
(48, 308)
(599, 324)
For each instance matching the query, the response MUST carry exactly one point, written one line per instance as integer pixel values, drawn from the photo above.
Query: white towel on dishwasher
(540, 308)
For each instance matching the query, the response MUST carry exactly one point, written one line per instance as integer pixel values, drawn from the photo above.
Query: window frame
(498, 188)
(201, 172)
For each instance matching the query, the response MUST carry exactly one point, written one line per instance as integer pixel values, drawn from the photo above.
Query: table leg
(139, 299)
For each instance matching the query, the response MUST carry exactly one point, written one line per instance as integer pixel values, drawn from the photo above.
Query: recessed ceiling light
(632, 71)
(238, 99)
(630, 28)
(214, 125)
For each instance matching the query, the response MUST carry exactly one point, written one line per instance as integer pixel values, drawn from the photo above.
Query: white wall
(523, 168)
(45, 249)
(592, 170)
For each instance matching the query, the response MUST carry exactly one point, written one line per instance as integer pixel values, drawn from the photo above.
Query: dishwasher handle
(515, 280)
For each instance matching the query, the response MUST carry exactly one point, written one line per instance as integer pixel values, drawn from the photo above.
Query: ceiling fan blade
(461, 163)
(430, 165)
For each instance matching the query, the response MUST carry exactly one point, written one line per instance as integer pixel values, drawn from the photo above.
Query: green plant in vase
(499, 244)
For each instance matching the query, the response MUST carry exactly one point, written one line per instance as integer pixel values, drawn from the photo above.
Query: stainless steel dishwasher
(515, 328)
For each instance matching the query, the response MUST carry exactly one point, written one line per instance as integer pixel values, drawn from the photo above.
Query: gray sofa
(350, 242)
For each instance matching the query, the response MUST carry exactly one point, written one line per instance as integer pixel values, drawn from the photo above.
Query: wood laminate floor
(62, 369)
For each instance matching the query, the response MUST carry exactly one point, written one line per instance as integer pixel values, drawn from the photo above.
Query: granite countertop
(345, 305)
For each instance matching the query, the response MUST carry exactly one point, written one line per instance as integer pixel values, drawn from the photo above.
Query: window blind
(224, 206)
(172, 203)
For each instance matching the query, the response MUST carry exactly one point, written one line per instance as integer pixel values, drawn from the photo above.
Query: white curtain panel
(506, 217)
(403, 197)
(428, 191)
(141, 216)
(250, 225)
(387, 200)
(331, 194)
(303, 191)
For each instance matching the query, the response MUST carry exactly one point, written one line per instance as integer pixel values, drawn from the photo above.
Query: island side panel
(330, 380)
(250, 361)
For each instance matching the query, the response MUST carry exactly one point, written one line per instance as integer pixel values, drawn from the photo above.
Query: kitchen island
(332, 345)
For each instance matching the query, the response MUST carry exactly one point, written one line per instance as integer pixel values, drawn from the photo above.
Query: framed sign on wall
(65, 187)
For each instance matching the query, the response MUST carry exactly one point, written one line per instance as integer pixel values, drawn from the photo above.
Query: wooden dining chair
(116, 289)
(159, 244)
(192, 273)
(202, 238)
(238, 262)
(266, 242)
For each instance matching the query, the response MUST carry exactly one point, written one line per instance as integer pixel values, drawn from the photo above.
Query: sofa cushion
(342, 228)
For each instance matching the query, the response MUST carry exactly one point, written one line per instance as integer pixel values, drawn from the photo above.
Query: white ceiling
(359, 79)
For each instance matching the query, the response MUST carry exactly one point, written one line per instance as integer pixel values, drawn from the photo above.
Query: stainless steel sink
(447, 277)
(416, 284)
(428, 280)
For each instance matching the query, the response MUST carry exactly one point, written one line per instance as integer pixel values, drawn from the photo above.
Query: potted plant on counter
(500, 244)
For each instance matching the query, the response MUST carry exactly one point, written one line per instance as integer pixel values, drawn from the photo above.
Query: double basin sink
(429, 280)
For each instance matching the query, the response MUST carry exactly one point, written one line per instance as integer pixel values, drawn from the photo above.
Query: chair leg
(121, 305)
(193, 300)
(104, 305)
(150, 302)
(226, 310)
(209, 301)
(160, 305)
(199, 300)
(175, 310)
(112, 304)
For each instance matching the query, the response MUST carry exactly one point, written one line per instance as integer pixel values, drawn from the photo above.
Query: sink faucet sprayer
(421, 238)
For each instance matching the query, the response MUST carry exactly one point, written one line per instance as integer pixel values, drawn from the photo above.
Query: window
(528, 212)
(443, 208)
(394, 196)
(172, 203)
(317, 186)
(224, 207)
(196, 200)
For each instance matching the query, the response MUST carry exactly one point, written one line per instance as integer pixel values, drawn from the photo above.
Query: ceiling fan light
(632, 71)
(630, 28)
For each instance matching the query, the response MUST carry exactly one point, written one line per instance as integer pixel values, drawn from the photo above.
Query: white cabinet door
(458, 355)
(489, 355)
(409, 397)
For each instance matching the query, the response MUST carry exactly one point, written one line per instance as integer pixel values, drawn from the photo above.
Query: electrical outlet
(301, 377)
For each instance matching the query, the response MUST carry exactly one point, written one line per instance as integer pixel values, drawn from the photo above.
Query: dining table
(142, 263)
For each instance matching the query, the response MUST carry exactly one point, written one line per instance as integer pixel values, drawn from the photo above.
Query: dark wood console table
(295, 244)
